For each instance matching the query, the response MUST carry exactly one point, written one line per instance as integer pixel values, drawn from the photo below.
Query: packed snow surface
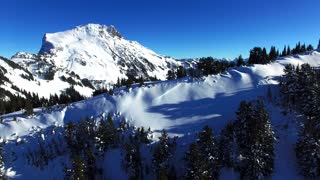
(181, 106)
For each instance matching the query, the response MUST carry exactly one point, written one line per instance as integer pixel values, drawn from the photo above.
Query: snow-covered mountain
(100, 55)
(181, 106)
(95, 52)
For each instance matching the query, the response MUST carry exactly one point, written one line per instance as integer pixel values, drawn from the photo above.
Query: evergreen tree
(142, 135)
(308, 149)
(132, 160)
(264, 56)
(289, 52)
(102, 136)
(171, 75)
(28, 108)
(318, 47)
(303, 48)
(209, 150)
(181, 72)
(162, 156)
(228, 148)
(258, 55)
(255, 140)
(284, 51)
(306, 81)
(289, 84)
(196, 165)
(273, 54)
(78, 168)
(111, 132)
(310, 47)
(240, 61)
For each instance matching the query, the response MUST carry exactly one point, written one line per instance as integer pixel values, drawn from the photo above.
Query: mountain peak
(55, 41)
(98, 30)
(99, 52)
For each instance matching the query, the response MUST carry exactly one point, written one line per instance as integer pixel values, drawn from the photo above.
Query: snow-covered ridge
(180, 106)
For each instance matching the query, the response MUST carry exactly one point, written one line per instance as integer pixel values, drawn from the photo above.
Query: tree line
(32, 100)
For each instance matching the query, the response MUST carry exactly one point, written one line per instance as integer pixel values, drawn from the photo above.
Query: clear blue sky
(178, 28)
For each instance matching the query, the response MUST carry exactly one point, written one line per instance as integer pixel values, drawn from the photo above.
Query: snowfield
(181, 106)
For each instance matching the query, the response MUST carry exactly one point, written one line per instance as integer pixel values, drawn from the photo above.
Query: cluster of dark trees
(300, 89)
(246, 145)
(32, 100)
(209, 65)
(86, 144)
(178, 73)
(299, 48)
(203, 159)
(132, 80)
(205, 66)
(260, 55)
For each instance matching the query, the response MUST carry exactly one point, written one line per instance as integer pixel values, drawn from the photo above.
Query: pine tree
(273, 54)
(289, 52)
(284, 51)
(78, 168)
(258, 55)
(318, 47)
(228, 149)
(102, 136)
(181, 72)
(171, 75)
(289, 84)
(196, 165)
(264, 56)
(240, 61)
(310, 47)
(142, 135)
(112, 135)
(303, 48)
(255, 140)
(308, 149)
(162, 155)
(209, 150)
(28, 108)
(132, 161)
(306, 81)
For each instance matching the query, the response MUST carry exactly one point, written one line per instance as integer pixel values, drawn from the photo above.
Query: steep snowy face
(99, 52)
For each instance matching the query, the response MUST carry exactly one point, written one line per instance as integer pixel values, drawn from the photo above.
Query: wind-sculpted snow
(181, 106)
(170, 104)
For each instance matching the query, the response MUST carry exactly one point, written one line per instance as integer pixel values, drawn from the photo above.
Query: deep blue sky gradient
(178, 28)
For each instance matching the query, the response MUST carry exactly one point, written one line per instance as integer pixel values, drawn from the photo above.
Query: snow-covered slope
(181, 106)
(20, 78)
(311, 58)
